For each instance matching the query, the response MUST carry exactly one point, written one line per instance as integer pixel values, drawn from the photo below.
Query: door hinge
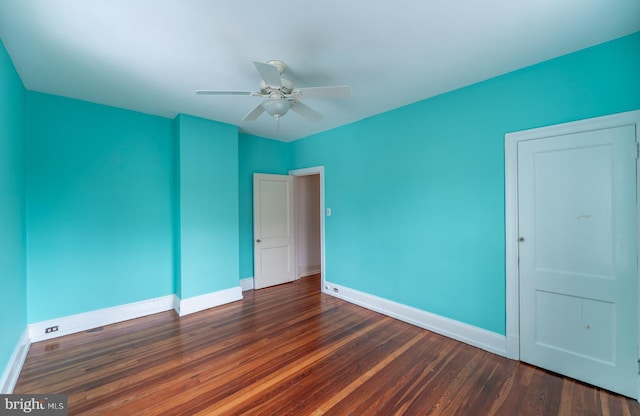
(636, 150)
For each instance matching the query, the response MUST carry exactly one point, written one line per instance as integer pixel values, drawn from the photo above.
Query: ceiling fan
(280, 94)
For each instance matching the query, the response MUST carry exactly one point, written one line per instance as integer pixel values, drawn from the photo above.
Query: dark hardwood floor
(290, 350)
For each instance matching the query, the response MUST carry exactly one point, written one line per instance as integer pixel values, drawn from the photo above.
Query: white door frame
(511, 215)
(317, 170)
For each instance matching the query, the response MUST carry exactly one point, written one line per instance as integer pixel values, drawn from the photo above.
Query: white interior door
(274, 234)
(578, 256)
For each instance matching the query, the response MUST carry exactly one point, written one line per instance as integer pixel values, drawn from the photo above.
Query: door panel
(573, 205)
(274, 212)
(586, 328)
(577, 253)
(273, 218)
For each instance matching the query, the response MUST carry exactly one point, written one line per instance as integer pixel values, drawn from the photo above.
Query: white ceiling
(151, 55)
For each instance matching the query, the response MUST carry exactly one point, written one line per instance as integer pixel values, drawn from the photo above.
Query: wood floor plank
(343, 393)
(291, 350)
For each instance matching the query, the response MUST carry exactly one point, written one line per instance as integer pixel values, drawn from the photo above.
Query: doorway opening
(309, 209)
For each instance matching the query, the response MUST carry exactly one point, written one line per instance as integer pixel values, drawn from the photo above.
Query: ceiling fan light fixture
(277, 108)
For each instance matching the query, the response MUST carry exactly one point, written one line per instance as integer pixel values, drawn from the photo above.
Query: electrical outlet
(51, 329)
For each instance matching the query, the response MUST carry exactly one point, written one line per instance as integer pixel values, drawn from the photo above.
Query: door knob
(258, 240)
(521, 239)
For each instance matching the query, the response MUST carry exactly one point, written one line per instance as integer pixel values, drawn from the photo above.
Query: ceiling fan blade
(269, 73)
(254, 113)
(305, 111)
(214, 92)
(339, 91)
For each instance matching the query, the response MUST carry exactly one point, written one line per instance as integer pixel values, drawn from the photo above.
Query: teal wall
(122, 206)
(98, 206)
(417, 194)
(208, 209)
(256, 155)
(13, 280)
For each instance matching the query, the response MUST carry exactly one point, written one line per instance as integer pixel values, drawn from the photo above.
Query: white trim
(247, 283)
(176, 305)
(469, 334)
(209, 300)
(597, 123)
(14, 366)
(512, 284)
(93, 319)
(317, 170)
(304, 271)
(511, 141)
(638, 236)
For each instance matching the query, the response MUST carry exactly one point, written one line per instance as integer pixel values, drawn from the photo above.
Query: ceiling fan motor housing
(286, 88)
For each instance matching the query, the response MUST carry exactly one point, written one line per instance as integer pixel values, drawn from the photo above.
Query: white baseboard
(304, 271)
(209, 300)
(247, 283)
(88, 320)
(469, 334)
(513, 347)
(176, 305)
(93, 319)
(84, 321)
(14, 366)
